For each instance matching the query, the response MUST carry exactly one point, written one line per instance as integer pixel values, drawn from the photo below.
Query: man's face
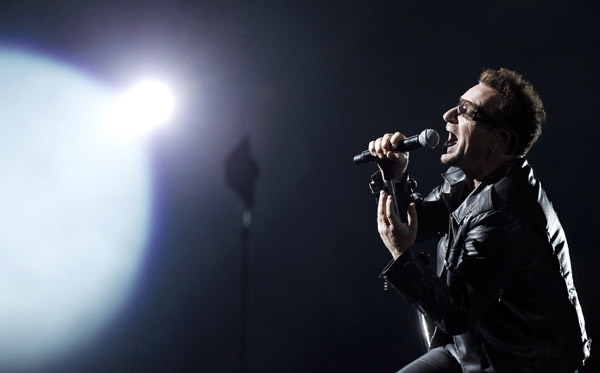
(468, 142)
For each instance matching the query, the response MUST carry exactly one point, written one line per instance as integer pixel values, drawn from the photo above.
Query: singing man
(501, 292)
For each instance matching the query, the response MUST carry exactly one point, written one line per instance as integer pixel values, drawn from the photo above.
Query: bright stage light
(146, 106)
(75, 211)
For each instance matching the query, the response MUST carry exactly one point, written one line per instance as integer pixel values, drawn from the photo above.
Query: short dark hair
(521, 107)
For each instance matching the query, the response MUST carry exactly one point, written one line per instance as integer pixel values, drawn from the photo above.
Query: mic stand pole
(425, 337)
(241, 171)
(246, 222)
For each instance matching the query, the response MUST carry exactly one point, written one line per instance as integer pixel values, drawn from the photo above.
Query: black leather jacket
(503, 292)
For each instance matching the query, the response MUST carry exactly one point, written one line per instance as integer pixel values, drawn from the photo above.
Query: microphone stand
(423, 326)
(241, 171)
(246, 219)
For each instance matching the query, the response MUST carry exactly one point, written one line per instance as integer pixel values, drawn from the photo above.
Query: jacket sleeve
(494, 245)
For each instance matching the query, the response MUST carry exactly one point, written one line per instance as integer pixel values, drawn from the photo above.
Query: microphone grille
(429, 138)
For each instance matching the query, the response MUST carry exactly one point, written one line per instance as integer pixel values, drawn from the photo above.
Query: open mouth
(452, 140)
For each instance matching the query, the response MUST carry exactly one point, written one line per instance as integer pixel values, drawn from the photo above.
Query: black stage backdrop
(311, 83)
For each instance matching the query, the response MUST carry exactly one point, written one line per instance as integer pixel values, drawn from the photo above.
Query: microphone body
(428, 138)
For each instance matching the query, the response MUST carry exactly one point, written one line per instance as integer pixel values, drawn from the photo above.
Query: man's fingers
(381, 219)
(389, 208)
(378, 151)
(413, 222)
(390, 213)
(397, 155)
(384, 146)
(396, 138)
(385, 143)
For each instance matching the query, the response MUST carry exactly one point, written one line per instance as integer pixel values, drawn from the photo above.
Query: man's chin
(448, 159)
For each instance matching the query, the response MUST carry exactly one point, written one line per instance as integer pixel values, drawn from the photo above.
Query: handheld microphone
(428, 138)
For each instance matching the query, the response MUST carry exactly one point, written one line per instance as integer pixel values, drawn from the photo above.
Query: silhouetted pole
(241, 172)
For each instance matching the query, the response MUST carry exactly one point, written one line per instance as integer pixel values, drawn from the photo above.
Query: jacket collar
(480, 199)
(454, 176)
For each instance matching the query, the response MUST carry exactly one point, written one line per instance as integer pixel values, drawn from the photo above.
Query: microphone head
(429, 138)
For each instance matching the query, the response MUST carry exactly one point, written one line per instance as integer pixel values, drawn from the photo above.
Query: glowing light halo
(75, 214)
(146, 106)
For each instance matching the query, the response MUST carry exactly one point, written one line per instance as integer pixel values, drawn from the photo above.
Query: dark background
(311, 83)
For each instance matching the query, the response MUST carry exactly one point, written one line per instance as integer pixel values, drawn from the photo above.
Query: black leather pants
(436, 360)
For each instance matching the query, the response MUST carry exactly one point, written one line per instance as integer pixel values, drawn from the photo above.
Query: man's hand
(396, 236)
(392, 164)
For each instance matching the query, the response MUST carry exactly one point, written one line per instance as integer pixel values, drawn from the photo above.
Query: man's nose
(450, 116)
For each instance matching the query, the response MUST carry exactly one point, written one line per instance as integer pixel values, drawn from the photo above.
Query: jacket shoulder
(520, 192)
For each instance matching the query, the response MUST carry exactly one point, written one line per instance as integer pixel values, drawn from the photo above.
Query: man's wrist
(396, 176)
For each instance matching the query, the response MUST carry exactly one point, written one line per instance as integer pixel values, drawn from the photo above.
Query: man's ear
(505, 139)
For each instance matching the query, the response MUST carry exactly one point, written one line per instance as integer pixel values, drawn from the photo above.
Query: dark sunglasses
(473, 112)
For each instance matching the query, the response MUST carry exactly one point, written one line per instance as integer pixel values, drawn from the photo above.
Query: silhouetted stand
(241, 172)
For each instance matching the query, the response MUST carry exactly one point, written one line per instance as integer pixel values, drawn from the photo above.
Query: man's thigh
(436, 360)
